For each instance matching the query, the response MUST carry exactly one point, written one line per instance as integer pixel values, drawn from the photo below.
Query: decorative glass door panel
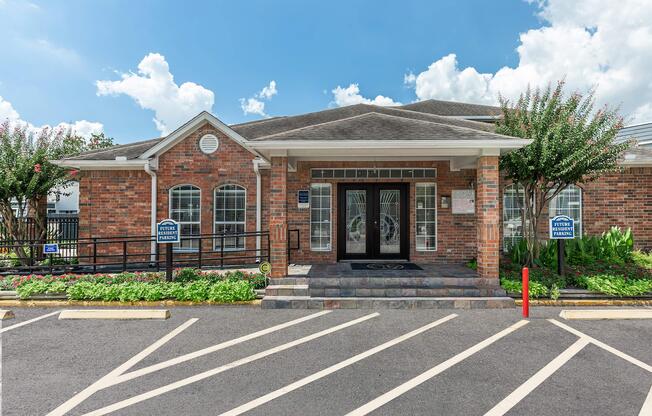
(390, 221)
(356, 221)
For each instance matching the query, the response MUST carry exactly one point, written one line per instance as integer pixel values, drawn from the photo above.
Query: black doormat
(385, 266)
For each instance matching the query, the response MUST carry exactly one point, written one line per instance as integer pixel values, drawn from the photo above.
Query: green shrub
(32, 288)
(535, 289)
(186, 274)
(642, 259)
(616, 285)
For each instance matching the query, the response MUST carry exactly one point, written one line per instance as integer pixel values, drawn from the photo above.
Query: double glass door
(372, 222)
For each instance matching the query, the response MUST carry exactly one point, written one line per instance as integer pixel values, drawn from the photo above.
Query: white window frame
(507, 189)
(330, 213)
(581, 210)
(177, 247)
(416, 223)
(243, 222)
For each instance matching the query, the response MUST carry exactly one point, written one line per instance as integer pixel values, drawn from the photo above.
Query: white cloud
(255, 105)
(268, 91)
(82, 127)
(351, 95)
(588, 42)
(252, 106)
(153, 88)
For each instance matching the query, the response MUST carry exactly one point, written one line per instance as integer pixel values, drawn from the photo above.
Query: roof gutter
(110, 164)
(390, 144)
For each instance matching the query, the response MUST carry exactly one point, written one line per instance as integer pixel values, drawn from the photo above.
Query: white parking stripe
(603, 346)
(323, 373)
(201, 376)
(533, 382)
(646, 410)
(106, 380)
(217, 347)
(423, 377)
(29, 321)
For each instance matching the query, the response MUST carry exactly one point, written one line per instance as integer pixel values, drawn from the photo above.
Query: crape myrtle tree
(572, 143)
(27, 176)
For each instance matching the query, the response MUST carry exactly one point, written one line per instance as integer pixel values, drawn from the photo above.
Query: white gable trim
(183, 131)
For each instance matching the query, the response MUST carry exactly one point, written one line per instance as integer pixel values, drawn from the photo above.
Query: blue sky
(56, 52)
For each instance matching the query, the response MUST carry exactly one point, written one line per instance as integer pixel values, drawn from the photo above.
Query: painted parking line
(596, 314)
(186, 357)
(107, 379)
(427, 375)
(604, 346)
(533, 382)
(209, 373)
(646, 410)
(29, 321)
(323, 373)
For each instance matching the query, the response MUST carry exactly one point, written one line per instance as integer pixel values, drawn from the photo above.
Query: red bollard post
(526, 292)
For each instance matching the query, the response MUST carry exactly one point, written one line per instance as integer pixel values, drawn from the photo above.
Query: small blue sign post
(562, 227)
(167, 232)
(51, 248)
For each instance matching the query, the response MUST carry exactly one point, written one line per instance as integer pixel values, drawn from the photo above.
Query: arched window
(230, 215)
(185, 209)
(513, 213)
(568, 202)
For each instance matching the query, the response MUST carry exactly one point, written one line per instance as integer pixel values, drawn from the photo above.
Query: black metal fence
(60, 228)
(141, 253)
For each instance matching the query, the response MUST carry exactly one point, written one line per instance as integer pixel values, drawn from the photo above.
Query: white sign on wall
(463, 201)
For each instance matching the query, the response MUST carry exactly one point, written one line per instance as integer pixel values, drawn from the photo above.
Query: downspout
(259, 208)
(150, 172)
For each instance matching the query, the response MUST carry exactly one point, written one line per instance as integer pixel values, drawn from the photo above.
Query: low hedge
(188, 285)
(197, 291)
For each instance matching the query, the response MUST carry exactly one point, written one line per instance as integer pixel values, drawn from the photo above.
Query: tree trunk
(39, 208)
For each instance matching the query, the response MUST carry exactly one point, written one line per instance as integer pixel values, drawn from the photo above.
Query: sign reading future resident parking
(303, 198)
(51, 248)
(167, 231)
(562, 227)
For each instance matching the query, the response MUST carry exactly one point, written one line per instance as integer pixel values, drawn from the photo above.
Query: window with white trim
(513, 214)
(568, 202)
(426, 216)
(185, 209)
(320, 217)
(230, 216)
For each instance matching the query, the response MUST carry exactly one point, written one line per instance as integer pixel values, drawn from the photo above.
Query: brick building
(418, 182)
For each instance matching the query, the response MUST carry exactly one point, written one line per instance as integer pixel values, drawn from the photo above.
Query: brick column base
(488, 217)
(278, 217)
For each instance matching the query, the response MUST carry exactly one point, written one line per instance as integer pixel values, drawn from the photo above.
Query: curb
(115, 314)
(587, 302)
(598, 314)
(60, 303)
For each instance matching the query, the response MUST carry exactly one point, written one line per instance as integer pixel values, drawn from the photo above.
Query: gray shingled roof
(430, 111)
(638, 154)
(377, 126)
(451, 108)
(641, 132)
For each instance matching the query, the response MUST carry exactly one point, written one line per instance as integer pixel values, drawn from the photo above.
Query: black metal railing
(59, 228)
(139, 253)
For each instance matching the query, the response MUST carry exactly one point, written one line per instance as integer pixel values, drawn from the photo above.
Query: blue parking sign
(167, 231)
(51, 248)
(562, 227)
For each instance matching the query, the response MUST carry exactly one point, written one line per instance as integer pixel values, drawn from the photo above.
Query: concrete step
(306, 302)
(394, 292)
(393, 282)
(289, 281)
(286, 290)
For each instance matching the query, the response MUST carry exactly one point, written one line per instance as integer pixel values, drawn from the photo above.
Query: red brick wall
(488, 217)
(185, 163)
(278, 216)
(621, 199)
(456, 234)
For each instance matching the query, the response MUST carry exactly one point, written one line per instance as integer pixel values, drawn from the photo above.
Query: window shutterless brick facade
(117, 202)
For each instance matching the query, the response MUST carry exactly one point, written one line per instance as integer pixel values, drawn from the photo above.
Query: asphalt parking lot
(211, 360)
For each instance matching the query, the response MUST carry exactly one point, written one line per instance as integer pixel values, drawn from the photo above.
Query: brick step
(391, 292)
(306, 302)
(394, 282)
(286, 290)
(289, 281)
